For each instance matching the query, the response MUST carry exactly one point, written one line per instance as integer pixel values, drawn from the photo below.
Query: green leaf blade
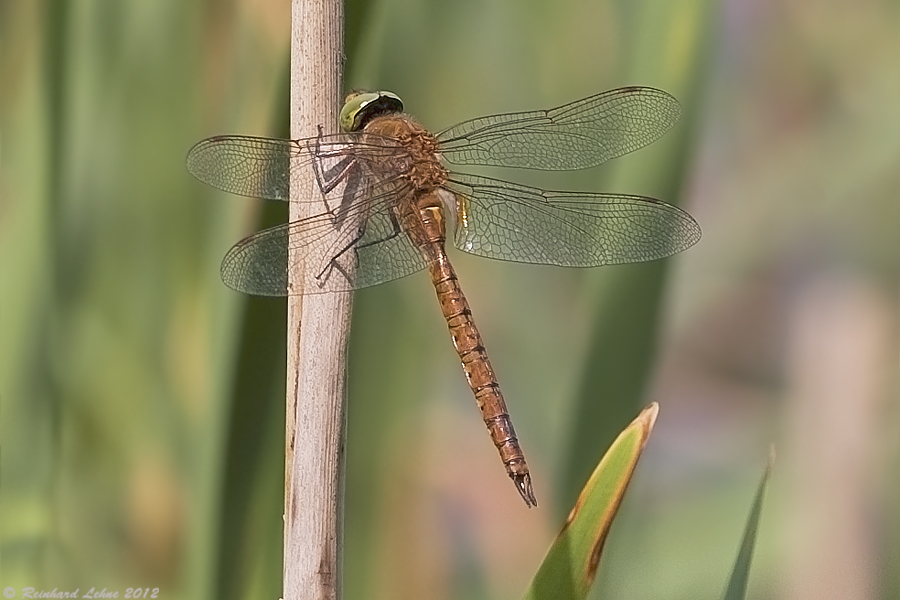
(740, 575)
(570, 566)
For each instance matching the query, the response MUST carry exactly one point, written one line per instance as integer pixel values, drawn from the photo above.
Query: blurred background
(142, 401)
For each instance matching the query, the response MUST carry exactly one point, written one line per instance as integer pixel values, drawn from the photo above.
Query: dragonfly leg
(396, 231)
(351, 191)
(333, 263)
(329, 178)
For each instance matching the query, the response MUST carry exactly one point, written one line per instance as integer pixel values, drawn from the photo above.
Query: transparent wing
(506, 221)
(363, 247)
(582, 134)
(262, 167)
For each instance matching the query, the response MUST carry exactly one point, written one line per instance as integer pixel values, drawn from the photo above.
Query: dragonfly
(386, 196)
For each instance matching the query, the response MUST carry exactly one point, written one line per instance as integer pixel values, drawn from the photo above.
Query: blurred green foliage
(141, 418)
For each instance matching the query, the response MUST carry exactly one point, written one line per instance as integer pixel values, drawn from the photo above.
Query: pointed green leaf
(570, 566)
(737, 585)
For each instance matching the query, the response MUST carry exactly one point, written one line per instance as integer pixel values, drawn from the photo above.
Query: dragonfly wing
(578, 135)
(385, 253)
(262, 167)
(506, 221)
(360, 248)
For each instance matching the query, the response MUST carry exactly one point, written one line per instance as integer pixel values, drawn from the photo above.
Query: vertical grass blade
(740, 575)
(664, 44)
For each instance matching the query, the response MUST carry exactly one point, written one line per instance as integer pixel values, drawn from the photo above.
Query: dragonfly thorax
(424, 169)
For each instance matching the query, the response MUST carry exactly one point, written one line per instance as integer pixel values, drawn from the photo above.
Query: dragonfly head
(361, 107)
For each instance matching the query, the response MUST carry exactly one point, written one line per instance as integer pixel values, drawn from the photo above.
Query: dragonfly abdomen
(479, 373)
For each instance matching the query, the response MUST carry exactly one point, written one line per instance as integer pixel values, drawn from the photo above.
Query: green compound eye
(361, 107)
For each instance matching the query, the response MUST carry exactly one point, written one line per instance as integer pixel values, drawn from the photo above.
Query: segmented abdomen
(479, 372)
